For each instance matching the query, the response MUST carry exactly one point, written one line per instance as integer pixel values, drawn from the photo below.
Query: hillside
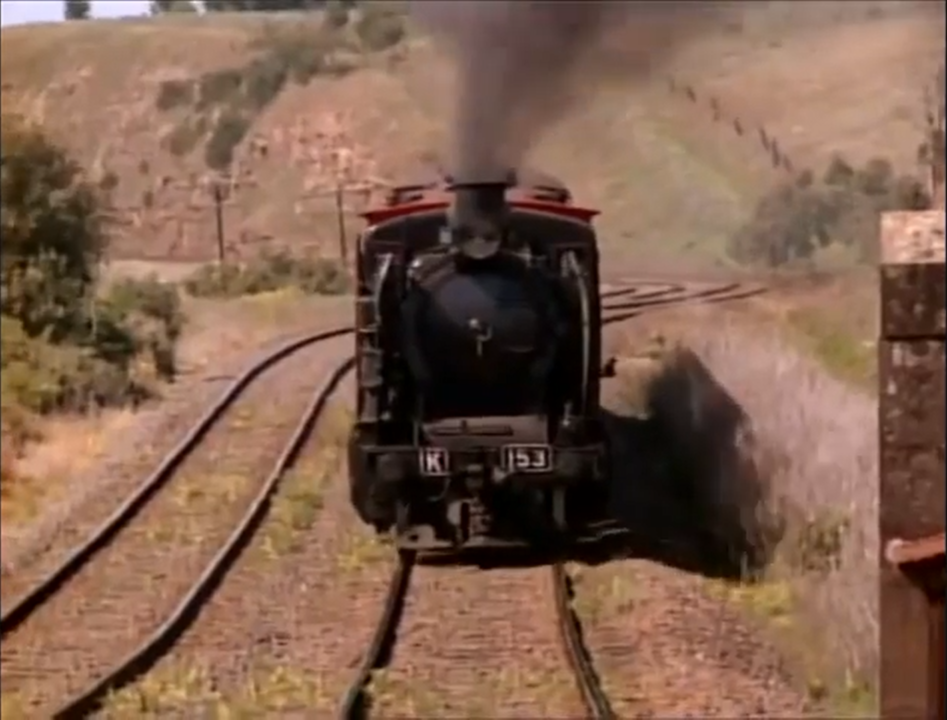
(671, 181)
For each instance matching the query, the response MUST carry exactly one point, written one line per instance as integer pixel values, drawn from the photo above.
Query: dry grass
(42, 471)
(220, 329)
(599, 596)
(797, 474)
(420, 698)
(302, 492)
(188, 691)
(217, 334)
(672, 183)
(833, 318)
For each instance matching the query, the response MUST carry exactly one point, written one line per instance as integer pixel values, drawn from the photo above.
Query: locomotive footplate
(521, 464)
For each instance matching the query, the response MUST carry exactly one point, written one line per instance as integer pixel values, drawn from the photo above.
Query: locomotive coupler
(468, 518)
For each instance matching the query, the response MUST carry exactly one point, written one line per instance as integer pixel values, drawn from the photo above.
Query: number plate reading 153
(527, 458)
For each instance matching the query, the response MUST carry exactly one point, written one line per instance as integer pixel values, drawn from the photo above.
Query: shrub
(52, 234)
(229, 131)
(271, 271)
(65, 347)
(798, 219)
(185, 136)
(380, 27)
(218, 87)
(149, 313)
(173, 94)
(130, 341)
(335, 15)
(263, 80)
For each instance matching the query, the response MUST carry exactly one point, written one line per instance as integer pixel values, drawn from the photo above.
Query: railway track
(81, 698)
(58, 672)
(356, 703)
(620, 303)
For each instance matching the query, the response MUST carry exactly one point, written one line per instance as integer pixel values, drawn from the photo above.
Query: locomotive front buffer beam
(524, 465)
(472, 484)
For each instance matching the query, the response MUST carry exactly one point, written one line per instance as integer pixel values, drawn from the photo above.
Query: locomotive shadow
(689, 487)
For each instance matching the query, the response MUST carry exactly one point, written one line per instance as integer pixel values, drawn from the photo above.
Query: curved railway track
(620, 303)
(19, 654)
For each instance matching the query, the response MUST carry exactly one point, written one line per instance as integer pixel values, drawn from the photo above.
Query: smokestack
(477, 215)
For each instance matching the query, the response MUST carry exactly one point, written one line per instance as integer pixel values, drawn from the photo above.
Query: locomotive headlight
(479, 248)
(475, 240)
(476, 217)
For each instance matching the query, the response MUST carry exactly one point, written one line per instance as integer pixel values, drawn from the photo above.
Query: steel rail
(355, 703)
(643, 296)
(723, 292)
(101, 536)
(594, 697)
(143, 657)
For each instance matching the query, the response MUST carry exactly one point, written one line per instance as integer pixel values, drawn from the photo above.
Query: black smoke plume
(521, 64)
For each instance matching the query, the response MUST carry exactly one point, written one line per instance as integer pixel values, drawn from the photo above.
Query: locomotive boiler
(478, 345)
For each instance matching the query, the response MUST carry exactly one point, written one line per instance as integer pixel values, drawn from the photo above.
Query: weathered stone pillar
(911, 427)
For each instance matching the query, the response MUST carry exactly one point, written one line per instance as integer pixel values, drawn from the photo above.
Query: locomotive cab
(478, 346)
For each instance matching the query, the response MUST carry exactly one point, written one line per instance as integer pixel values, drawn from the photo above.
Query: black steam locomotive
(478, 343)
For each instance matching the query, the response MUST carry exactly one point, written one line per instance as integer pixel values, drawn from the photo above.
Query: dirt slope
(672, 182)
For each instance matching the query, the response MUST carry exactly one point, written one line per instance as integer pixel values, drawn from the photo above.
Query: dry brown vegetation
(778, 452)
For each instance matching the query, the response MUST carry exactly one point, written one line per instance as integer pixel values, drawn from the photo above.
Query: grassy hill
(139, 101)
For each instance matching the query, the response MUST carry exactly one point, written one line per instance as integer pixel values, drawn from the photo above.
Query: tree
(77, 9)
(167, 7)
(336, 14)
(51, 231)
(796, 220)
(64, 344)
(267, 5)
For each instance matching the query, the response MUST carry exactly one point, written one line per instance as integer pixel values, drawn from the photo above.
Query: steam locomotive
(478, 346)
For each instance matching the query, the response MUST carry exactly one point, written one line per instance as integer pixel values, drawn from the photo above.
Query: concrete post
(912, 487)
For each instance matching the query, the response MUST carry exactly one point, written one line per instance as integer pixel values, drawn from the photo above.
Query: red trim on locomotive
(383, 214)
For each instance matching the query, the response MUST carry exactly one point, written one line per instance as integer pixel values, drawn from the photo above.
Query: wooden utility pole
(218, 192)
(340, 216)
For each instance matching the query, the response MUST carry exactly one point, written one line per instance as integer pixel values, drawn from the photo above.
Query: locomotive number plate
(434, 461)
(527, 458)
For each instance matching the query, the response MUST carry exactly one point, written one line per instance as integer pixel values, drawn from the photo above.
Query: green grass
(837, 347)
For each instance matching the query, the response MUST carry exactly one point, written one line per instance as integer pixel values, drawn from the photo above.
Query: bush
(380, 27)
(148, 312)
(798, 219)
(173, 94)
(335, 15)
(52, 235)
(218, 87)
(272, 271)
(66, 347)
(263, 80)
(185, 136)
(130, 342)
(229, 132)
